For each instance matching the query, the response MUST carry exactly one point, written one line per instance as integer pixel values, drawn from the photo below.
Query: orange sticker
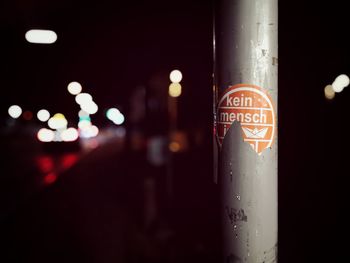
(253, 108)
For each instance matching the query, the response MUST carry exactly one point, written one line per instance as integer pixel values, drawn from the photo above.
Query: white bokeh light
(119, 119)
(112, 113)
(175, 76)
(82, 124)
(340, 83)
(41, 36)
(15, 111)
(89, 132)
(89, 107)
(94, 131)
(58, 121)
(83, 98)
(70, 135)
(74, 88)
(83, 114)
(43, 115)
(45, 135)
(115, 116)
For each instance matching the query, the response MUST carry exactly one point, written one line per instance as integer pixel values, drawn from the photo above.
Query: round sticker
(253, 108)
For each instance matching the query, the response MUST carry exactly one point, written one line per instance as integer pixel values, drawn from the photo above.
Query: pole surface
(245, 121)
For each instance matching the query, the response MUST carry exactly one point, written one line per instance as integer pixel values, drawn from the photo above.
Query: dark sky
(113, 46)
(109, 46)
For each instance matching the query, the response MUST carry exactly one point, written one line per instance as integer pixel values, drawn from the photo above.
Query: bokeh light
(340, 83)
(45, 135)
(175, 89)
(83, 98)
(112, 113)
(119, 119)
(84, 123)
(94, 131)
(89, 107)
(115, 116)
(15, 111)
(89, 132)
(175, 76)
(83, 114)
(45, 163)
(70, 135)
(58, 121)
(27, 115)
(43, 115)
(329, 92)
(40, 36)
(50, 178)
(174, 147)
(74, 88)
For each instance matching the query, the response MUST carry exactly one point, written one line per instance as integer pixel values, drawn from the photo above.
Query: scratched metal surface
(246, 51)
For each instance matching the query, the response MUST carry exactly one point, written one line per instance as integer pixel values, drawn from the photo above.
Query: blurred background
(106, 132)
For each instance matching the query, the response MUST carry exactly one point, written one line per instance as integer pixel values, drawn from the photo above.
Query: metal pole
(245, 122)
(172, 110)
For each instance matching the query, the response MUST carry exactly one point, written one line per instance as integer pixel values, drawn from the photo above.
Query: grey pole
(245, 122)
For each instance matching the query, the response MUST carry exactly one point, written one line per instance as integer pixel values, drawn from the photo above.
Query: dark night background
(93, 212)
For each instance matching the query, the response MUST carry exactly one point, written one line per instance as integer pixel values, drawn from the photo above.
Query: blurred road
(94, 210)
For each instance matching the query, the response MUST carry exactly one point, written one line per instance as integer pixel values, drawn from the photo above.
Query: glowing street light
(175, 76)
(15, 111)
(70, 135)
(83, 114)
(89, 132)
(45, 135)
(40, 36)
(119, 119)
(83, 98)
(175, 89)
(74, 88)
(43, 115)
(58, 121)
(340, 83)
(89, 107)
(112, 113)
(115, 116)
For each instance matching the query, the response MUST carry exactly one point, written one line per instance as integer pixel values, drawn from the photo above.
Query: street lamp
(340, 83)
(15, 111)
(74, 88)
(41, 36)
(175, 76)
(43, 115)
(174, 92)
